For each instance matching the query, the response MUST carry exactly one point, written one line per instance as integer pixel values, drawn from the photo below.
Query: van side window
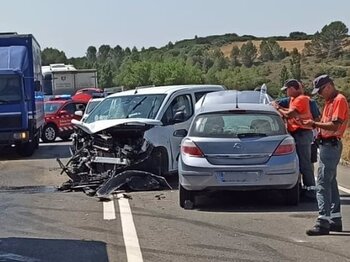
(181, 107)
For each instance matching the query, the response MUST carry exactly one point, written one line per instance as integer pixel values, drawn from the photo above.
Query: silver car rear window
(230, 124)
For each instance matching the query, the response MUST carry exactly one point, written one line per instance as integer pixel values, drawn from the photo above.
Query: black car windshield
(133, 106)
(231, 125)
(10, 89)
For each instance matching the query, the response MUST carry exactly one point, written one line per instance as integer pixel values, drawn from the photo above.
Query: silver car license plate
(238, 177)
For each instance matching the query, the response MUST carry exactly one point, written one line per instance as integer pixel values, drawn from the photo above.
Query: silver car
(237, 146)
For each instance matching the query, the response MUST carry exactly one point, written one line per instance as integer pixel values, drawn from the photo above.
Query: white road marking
(131, 242)
(341, 188)
(344, 189)
(108, 210)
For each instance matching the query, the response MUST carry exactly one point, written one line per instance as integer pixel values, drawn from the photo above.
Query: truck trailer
(21, 96)
(61, 79)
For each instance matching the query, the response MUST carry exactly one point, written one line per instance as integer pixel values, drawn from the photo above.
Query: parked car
(234, 96)
(58, 117)
(141, 128)
(233, 145)
(86, 94)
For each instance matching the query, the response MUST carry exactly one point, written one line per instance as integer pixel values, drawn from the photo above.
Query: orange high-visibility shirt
(336, 109)
(301, 104)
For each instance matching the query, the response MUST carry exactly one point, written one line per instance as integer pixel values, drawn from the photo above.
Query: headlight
(21, 135)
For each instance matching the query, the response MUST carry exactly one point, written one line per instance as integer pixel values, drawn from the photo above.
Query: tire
(293, 195)
(49, 133)
(37, 141)
(156, 164)
(159, 162)
(26, 149)
(184, 196)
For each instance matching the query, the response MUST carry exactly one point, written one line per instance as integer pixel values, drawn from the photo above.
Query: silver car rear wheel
(293, 195)
(186, 198)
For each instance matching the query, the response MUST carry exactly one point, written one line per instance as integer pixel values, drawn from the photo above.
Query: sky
(74, 25)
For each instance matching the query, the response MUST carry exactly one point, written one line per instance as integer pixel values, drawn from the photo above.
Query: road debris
(105, 162)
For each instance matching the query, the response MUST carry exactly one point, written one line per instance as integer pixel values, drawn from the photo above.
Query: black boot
(336, 227)
(317, 230)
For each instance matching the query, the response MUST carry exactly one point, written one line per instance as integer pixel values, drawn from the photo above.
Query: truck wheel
(37, 141)
(26, 149)
(186, 198)
(49, 133)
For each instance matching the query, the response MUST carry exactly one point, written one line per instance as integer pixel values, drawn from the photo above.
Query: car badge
(237, 146)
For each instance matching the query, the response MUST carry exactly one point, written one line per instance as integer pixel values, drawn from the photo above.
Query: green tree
(52, 56)
(328, 42)
(105, 75)
(91, 53)
(265, 51)
(219, 59)
(284, 75)
(135, 56)
(298, 35)
(295, 64)
(103, 53)
(271, 50)
(234, 55)
(248, 54)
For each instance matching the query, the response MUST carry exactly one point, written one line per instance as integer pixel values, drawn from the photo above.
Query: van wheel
(157, 163)
(293, 195)
(186, 198)
(49, 133)
(160, 162)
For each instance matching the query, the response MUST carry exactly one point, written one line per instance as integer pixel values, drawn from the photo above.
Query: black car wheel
(186, 198)
(49, 133)
(293, 195)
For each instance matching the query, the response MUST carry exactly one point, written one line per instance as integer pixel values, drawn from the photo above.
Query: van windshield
(10, 89)
(133, 106)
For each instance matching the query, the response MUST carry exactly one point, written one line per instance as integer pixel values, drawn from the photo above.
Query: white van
(145, 121)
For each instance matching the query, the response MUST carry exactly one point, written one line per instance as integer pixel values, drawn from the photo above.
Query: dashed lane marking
(108, 210)
(131, 242)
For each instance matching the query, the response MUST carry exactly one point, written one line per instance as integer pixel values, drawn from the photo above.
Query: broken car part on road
(105, 160)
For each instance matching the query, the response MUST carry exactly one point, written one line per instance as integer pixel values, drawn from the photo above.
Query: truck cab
(21, 96)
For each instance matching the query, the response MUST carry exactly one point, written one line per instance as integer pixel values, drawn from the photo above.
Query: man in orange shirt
(298, 111)
(332, 127)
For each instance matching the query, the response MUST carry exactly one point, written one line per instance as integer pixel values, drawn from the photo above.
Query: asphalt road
(39, 223)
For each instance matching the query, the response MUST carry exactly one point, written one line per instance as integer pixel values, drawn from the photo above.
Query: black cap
(320, 82)
(291, 83)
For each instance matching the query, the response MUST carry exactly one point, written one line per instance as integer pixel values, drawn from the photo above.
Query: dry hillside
(289, 45)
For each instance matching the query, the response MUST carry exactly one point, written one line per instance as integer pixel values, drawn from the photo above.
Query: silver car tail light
(189, 148)
(286, 147)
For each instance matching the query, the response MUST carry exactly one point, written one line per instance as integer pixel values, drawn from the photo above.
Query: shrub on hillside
(336, 71)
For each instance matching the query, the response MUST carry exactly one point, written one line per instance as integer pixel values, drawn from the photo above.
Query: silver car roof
(211, 108)
(167, 89)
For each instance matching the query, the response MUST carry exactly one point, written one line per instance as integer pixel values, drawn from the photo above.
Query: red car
(58, 116)
(88, 93)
